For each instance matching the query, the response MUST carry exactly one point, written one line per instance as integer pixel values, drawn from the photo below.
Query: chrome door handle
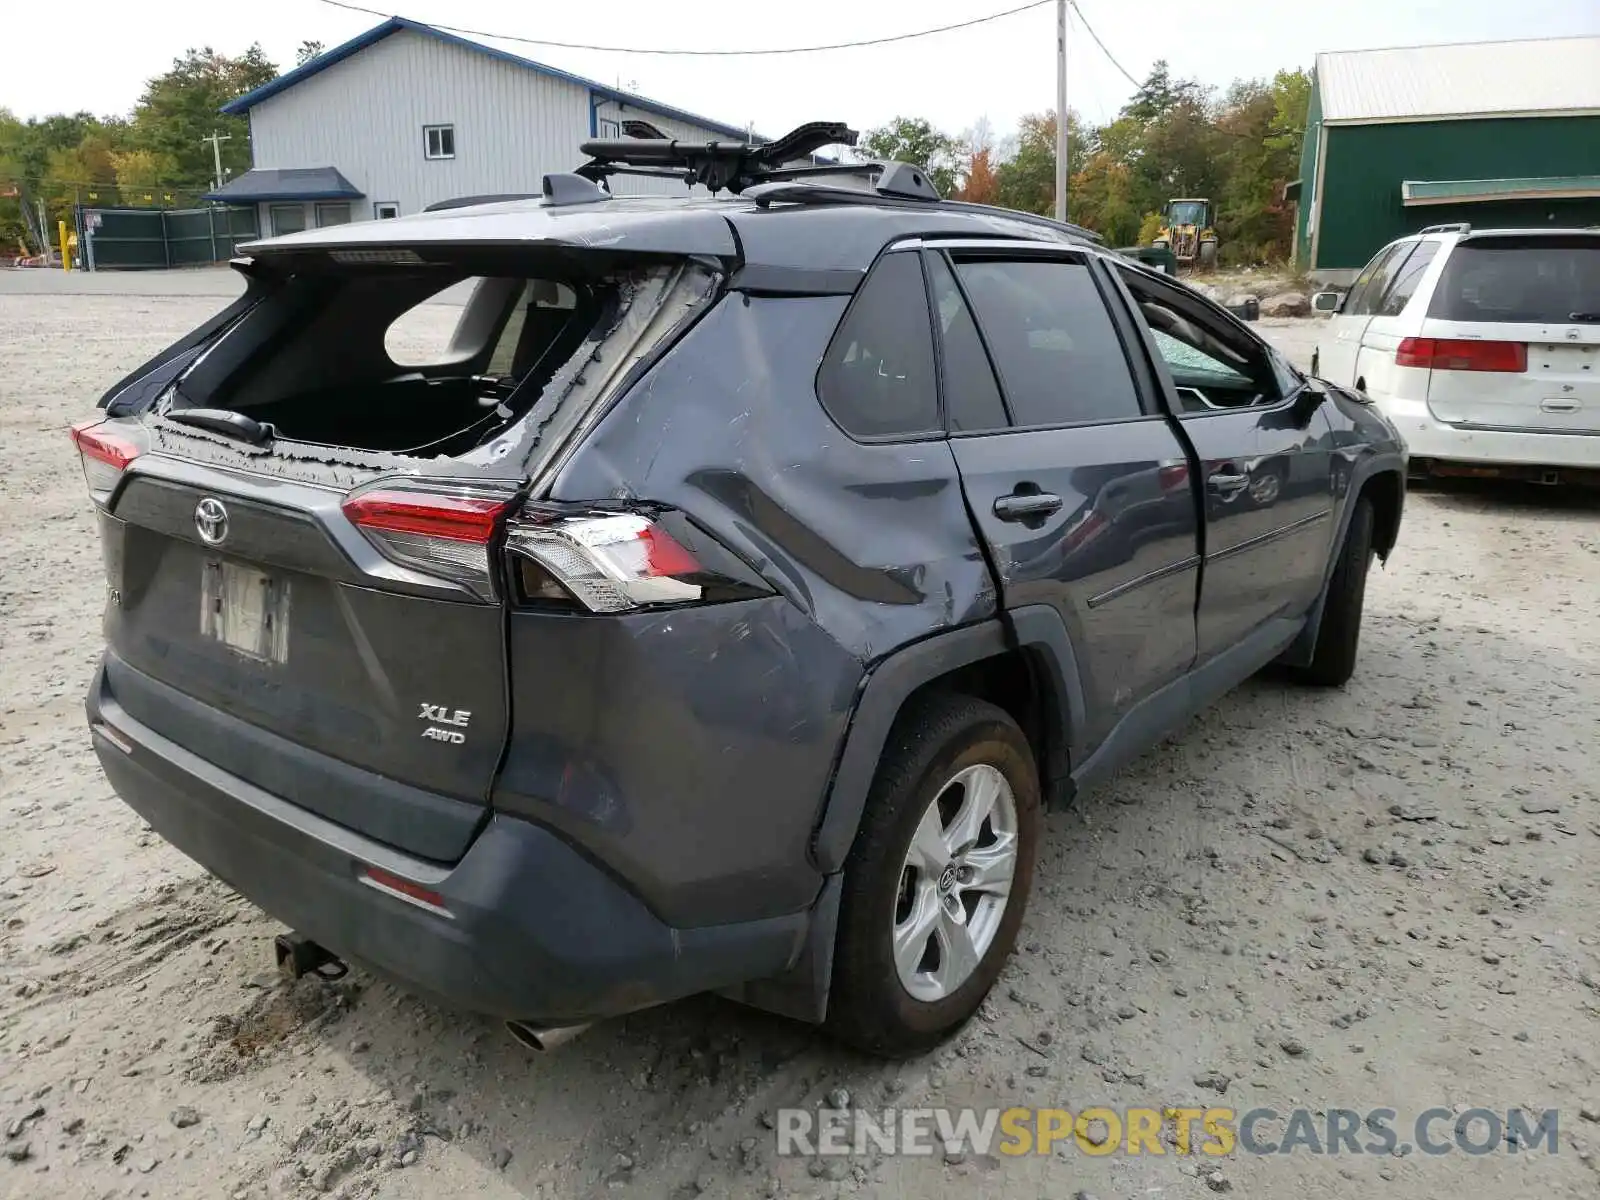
(1023, 506)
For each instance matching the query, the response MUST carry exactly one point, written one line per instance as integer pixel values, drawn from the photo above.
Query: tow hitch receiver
(299, 956)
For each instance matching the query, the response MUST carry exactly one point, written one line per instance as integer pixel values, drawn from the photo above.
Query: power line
(1111, 58)
(686, 53)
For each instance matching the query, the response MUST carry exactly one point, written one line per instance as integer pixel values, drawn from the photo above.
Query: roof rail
(1027, 218)
(469, 201)
(798, 191)
(558, 189)
(716, 165)
(1452, 227)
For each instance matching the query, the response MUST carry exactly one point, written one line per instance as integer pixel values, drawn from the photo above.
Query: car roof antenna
(906, 182)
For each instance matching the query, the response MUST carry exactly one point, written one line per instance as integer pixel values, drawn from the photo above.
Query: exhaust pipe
(537, 1037)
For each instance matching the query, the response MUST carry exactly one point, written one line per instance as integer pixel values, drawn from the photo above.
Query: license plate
(245, 609)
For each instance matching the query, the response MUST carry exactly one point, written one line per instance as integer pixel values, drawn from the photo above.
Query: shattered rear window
(382, 369)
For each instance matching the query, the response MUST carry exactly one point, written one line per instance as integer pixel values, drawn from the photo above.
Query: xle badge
(438, 716)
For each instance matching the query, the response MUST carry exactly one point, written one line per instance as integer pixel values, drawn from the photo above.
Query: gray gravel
(1397, 879)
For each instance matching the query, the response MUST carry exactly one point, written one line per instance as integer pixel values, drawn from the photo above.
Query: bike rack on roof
(761, 170)
(715, 165)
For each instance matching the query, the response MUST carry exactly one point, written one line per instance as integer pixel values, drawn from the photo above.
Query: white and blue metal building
(405, 115)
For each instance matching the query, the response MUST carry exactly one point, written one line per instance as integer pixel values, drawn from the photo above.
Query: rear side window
(1408, 278)
(971, 395)
(1368, 290)
(1554, 278)
(877, 378)
(1057, 351)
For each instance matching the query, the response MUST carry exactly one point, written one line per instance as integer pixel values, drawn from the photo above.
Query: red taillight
(1462, 354)
(105, 455)
(607, 562)
(443, 533)
(664, 556)
(458, 518)
(388, 881)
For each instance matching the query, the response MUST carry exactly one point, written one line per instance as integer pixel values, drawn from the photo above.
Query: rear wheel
(1340, 633)
(1208, 256)
(937, 880)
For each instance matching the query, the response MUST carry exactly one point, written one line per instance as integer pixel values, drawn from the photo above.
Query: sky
(994, 72)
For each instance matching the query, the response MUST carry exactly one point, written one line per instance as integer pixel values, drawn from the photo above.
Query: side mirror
(1327, 302)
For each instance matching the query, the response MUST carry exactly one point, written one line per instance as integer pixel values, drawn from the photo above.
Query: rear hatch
(1513, 334)
(303, 531)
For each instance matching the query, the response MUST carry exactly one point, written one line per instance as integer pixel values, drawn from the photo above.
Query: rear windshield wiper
(220, 420)
(1584, 316)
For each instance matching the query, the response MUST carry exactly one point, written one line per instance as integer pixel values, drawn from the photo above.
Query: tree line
(156, 155)
(1174, 138)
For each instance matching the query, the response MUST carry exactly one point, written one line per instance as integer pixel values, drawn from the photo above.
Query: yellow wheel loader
(1187, 232)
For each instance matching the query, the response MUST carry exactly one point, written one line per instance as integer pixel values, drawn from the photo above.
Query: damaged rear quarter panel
(872, 541)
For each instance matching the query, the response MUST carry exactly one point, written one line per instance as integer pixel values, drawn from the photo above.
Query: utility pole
(216, 139)
(1061, 110)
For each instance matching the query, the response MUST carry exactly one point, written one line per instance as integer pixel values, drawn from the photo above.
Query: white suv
(1482, 346)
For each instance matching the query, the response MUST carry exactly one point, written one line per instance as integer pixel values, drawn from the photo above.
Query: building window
(287, 218)
(385, 210)
(329, 213)
(608, 128)
(438, 141)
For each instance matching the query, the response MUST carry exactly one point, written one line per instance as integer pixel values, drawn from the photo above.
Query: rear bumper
(1429, 438)
(535, 931)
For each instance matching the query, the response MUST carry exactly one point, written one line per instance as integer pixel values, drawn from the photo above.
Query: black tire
(1340, 634)
(869, 1007)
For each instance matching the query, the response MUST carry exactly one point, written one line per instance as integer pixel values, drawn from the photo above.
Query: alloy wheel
(955, 882)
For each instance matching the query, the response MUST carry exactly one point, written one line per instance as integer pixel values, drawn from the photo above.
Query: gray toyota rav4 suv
(714, 608)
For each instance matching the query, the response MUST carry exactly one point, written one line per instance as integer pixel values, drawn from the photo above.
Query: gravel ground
(1382, 896)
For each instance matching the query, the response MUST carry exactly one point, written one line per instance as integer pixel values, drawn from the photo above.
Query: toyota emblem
(211, 521)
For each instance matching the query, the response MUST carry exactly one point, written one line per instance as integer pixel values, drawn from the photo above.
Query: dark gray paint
(687, 749)
(1263, 558)
(693, 779)
(536, 931)
(870, 540)
(1120, 559)
(369, 644)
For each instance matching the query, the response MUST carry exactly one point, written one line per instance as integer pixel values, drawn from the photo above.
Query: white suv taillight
(105, 455)
(608, 563)
(443, 533)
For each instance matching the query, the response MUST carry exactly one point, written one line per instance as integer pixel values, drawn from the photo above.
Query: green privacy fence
(112, 239)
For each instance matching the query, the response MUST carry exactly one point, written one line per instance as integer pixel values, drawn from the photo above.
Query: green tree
(1160, 94)
(1027, 179)
(179, 109)
(308, 50)
(140, 172)
(915, 141)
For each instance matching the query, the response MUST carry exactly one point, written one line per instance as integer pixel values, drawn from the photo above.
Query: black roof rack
(717, 165)
(1452, 227)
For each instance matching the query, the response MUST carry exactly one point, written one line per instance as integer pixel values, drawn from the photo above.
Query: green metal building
(1491, 133)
